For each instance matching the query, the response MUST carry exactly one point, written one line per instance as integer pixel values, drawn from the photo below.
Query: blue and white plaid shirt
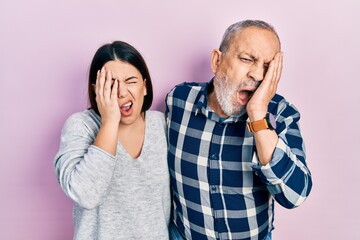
(220, 190)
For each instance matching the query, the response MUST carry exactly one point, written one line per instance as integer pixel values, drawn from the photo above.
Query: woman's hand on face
(107, 97)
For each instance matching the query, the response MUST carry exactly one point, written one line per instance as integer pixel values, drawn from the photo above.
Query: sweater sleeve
(83, 170)
(287, 176)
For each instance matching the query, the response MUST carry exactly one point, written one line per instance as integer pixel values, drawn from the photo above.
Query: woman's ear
(145, 90)
(215, 60)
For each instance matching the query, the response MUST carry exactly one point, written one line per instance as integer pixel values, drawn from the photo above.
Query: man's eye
(131, 82)
(246, 60)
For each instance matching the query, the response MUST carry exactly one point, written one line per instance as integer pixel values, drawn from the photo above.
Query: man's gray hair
(237, 27)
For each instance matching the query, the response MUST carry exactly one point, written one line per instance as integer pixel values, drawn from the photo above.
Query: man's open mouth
(244, 96)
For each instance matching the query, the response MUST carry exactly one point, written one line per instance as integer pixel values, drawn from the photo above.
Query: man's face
(240, 71)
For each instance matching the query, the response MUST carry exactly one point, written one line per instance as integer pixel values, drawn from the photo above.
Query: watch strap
(257, 125)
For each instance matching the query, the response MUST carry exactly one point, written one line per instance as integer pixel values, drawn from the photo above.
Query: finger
(270, 77)
(114, 90)
(280, 67)
(101, 83)
(277, 71)
(270, 72)
(107, 86)
(95, 86)
(278, 60)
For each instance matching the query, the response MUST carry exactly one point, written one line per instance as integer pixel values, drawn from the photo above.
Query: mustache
(248, 83)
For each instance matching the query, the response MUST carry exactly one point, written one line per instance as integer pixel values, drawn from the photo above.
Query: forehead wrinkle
(256, 47)
(253, 55)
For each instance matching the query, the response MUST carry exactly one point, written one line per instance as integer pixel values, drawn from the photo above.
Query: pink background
(45, 51)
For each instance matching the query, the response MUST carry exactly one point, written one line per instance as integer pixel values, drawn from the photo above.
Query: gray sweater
(115, 197)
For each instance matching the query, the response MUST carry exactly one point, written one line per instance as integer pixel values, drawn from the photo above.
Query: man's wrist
(255, 116)
(267, 122)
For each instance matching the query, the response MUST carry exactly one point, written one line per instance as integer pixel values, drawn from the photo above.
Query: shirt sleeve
(83, 170)
(169, 104)
(163, 122)
(287, 176)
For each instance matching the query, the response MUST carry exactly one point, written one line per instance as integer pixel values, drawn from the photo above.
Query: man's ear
(215, 60)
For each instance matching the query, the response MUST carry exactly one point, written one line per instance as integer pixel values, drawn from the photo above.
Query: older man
(234, 144)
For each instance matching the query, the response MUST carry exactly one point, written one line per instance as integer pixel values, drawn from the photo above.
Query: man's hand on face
(258, 105)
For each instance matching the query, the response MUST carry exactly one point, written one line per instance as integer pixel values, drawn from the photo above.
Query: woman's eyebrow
(129, 78)
(126, 79)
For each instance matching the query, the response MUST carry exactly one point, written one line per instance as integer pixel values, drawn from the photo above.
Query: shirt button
(214, 156)
(213, 188)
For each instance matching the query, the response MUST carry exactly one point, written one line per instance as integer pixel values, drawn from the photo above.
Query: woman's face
(131, 90)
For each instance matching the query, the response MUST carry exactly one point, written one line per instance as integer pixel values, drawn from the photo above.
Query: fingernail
(102, 69)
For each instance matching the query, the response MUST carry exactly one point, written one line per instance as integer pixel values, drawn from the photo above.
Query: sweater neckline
(143, 145)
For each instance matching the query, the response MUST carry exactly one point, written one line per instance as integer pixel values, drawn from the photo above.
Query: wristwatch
(268, 122)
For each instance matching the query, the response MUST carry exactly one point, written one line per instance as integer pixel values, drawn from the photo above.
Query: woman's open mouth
(126, 108)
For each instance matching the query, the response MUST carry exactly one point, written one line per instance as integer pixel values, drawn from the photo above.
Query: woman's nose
(122, 90)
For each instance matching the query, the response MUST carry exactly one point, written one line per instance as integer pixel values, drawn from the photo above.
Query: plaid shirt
(219, 188)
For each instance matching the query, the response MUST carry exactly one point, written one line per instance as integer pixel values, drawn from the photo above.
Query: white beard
(226, 94)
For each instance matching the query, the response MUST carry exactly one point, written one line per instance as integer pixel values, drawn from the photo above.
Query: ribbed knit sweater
(115, 197)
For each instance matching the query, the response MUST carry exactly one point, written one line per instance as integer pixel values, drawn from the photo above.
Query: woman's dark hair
(124, 52)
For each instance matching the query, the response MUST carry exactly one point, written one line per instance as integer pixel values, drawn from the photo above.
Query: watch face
(272, 121)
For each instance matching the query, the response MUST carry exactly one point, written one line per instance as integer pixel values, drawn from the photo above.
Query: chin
(240, 110)
(126, 121)
(133, 118)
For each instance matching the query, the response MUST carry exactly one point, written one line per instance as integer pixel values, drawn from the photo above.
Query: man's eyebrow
(266, 64)
(249, 55)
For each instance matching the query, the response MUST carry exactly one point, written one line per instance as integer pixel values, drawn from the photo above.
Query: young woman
(112, 160)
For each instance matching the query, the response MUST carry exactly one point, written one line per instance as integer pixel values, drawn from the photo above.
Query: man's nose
(257, 72)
